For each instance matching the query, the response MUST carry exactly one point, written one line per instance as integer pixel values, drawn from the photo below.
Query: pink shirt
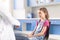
(46, 24)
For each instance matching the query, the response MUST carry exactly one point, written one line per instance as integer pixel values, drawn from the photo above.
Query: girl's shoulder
(46, 23)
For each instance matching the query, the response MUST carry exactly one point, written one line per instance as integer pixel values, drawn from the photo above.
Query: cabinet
(18, 4)
(30, 25)
(55, 27)
(57, 0)
(55, 5)
(27, 24)
(33, 3)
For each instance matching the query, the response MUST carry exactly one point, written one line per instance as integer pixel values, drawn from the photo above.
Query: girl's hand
(29, 35)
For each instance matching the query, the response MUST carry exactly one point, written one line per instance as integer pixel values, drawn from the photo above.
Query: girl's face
(41, 14)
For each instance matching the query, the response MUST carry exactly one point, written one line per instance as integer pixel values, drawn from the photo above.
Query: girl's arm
(46, 24)
(42, 32)
(35, 28)
(33, 31)
(31, 34)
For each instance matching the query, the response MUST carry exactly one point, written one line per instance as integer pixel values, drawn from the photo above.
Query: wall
(53, 11)
(18, 9)
(21, 11)
(9, 6)
(27, 8)
(5, 5)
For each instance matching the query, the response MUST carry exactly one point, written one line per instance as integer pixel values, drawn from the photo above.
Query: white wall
(19, 14)
(54, 11)
(19, 10)
(5, 5)
(27, 9)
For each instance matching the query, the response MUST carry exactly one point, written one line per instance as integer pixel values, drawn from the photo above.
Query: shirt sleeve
(14, 21)
(11, 19)
(46, 23)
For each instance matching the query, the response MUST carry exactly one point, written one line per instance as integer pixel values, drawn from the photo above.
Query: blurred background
(26, 12)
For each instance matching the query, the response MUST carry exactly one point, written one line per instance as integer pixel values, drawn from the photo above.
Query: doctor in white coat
(6, 26)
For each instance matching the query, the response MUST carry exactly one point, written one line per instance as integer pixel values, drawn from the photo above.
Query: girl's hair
(45, 12)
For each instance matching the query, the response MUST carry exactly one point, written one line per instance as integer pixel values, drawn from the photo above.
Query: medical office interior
(26, 12)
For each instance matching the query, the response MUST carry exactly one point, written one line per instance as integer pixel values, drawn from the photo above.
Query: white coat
(6, 26)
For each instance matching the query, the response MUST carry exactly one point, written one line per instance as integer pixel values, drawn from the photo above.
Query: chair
(47, 32)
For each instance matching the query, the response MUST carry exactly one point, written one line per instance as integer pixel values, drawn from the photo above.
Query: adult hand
(16, 26)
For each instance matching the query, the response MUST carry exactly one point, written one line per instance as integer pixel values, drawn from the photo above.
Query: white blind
(19, 10)
(19, 4)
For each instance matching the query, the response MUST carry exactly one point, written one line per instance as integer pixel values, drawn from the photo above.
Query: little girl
(43, 23)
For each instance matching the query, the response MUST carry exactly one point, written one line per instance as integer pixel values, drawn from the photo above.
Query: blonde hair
(45, 12)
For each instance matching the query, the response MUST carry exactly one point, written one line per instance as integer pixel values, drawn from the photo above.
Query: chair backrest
(47, 32)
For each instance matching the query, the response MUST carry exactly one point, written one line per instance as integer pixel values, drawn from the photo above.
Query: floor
(20, 34)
